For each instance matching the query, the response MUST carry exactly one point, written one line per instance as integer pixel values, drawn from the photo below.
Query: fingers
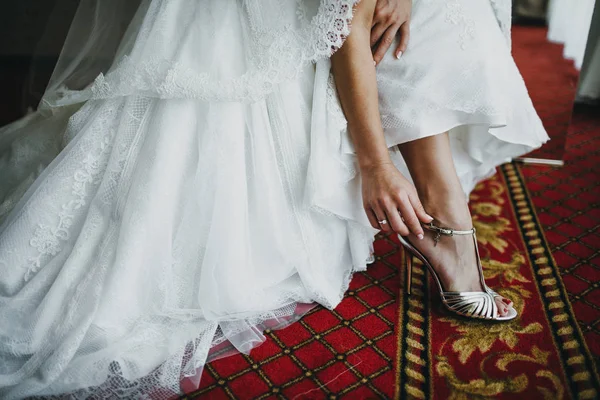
(403, 215)
(384, 44)
(404, 36)
(410, 217)
(380, 215)
(373, 220)
(419, 210)
(376, 33)
(394, 218)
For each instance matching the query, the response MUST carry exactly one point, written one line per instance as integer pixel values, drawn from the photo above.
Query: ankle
(449, 210)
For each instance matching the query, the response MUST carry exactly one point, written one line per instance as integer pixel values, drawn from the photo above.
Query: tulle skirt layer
(165, 222)
(147, 234)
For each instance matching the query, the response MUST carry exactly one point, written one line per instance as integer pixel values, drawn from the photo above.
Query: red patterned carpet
(379, 343)
(567, 201)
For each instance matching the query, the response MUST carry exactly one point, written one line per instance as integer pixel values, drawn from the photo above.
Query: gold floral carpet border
(540, 354)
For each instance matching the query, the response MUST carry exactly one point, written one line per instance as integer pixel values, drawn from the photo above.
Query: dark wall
(23, 22)
(29, 27)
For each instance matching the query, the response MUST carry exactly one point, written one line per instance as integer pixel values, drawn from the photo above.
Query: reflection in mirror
(569, 24)
(549, 40)
(588, 91)
(583, 137)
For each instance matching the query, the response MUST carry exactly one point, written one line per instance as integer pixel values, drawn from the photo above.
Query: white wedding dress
(204, 186)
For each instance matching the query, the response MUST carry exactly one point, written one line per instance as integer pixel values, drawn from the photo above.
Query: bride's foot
(453, 258)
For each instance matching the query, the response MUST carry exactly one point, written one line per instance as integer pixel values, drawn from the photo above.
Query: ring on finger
(383, 222)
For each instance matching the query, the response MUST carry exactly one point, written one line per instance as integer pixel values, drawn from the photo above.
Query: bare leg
(386, 193)
(431, 166)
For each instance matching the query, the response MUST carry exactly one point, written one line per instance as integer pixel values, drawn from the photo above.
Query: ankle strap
(447, 231)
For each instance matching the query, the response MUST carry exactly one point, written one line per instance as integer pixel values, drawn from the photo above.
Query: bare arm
(386, 193)
(354, 73)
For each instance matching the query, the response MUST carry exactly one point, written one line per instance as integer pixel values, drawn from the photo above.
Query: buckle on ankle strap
(439, 231)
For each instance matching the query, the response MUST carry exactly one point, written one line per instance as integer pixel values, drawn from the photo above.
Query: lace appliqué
(47, 240)
(278, 55)
(456, 16)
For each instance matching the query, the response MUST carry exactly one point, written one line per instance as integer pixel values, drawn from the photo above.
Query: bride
(214, 167)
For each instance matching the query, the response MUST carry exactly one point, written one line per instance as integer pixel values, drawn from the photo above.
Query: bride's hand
(388, 195)
(391, 17)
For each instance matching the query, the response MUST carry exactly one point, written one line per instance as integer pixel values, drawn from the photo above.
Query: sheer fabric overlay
(188, 180)
(271, 40)
(142, 234)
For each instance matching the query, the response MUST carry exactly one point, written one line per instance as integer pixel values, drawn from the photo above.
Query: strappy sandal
(477, 305)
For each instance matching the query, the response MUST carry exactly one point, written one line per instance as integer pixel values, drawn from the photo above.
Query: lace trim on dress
(456, 15)
(277, 55)
(46, 239)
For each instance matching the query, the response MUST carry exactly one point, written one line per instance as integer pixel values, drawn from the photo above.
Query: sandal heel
(409, 266)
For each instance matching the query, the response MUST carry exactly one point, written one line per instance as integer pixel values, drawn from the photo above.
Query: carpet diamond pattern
(344, 353)
(567, 201)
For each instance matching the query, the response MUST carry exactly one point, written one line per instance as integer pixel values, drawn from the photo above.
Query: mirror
(587, 103)
(549, 43)
(588, 91)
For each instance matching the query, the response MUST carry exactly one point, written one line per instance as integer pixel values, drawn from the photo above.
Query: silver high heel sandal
(477, 305)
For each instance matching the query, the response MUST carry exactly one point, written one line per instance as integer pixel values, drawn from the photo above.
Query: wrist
(373, 164)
